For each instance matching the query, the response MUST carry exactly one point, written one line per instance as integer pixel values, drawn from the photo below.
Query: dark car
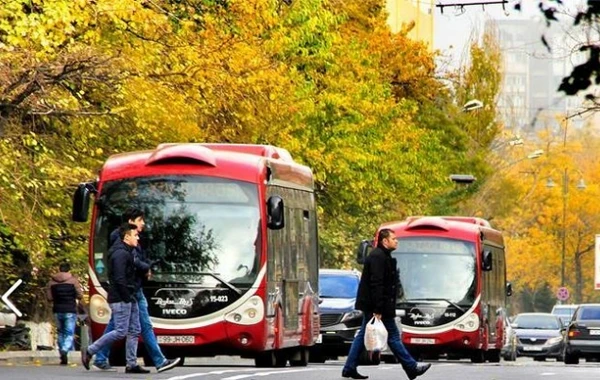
(339, 320)
(582, 338)
(537, 335)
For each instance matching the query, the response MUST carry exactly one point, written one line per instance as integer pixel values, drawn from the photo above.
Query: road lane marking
(232, 371)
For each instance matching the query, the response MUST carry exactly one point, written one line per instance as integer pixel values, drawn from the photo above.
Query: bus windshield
(436, 268)
(199, 230)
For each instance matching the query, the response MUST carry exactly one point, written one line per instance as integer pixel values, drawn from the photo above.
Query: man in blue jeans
(64, 290)
(376, 296)
(122, 302)
(136, 216)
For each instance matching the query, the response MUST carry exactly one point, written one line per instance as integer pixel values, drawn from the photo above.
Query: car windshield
(338, 286)
(563, 312)
(437, 268)
(589, 313)
(539, 322)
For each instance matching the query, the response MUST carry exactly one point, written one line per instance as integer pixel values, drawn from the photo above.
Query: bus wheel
(493, 356)
(299, 358)
(270, 359)
(477, 357)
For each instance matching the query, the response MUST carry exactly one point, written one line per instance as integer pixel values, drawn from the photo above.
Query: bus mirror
(275, 213)
(509, 290)
(362, 251)
(81, 201)
(486, 262)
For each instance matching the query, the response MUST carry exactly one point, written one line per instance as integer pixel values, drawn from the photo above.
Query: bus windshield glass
(436, 268)
(199, 230)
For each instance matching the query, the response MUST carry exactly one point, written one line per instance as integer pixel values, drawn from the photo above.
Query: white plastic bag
(375, 336)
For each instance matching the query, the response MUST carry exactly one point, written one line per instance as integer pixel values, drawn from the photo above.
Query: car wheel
(571, 359)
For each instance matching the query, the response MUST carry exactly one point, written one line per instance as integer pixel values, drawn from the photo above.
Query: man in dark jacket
(142, 267)
(376, 297)
(64, 290)
(121, 299)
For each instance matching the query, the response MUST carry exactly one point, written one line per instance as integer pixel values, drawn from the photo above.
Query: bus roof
(458, 227)
(245, 162)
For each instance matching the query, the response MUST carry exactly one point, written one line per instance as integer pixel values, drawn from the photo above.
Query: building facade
(419, 12)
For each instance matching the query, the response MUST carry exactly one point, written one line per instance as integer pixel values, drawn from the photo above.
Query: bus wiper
(218, 278)
(438, 299)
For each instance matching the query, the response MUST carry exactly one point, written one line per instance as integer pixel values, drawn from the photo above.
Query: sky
(454, 27)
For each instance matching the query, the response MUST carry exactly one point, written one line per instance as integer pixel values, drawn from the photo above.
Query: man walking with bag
(376, 297)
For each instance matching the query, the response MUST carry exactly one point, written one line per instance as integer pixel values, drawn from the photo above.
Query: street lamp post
(565, 192)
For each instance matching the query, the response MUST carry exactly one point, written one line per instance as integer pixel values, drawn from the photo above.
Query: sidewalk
(35, 357)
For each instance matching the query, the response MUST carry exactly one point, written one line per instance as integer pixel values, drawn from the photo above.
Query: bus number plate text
(175, 339)
(422, 341)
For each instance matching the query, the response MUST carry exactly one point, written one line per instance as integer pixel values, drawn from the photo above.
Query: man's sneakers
(85, 359)
(104, 366)
(420, 369)
(168, 364)
(353, 374)
(64, 359)
(136, 369)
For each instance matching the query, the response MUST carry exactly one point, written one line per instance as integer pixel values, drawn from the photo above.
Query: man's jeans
(152, 347)
(394, 343)
(65, 324)
(126, 319)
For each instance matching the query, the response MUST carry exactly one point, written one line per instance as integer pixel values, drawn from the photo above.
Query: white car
(564, 312)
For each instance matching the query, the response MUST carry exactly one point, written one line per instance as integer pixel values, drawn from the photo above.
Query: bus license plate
(175, 339)
(422, 341)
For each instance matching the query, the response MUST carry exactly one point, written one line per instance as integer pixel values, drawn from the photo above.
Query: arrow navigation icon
(8, 293)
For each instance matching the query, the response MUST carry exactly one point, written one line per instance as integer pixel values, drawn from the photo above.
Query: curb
(35, 357)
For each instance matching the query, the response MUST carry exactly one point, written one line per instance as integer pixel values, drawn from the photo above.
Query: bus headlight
(469, 324)
(99, 309)
(249, 313)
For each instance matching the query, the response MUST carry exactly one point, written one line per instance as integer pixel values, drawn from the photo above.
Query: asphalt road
(226, 368)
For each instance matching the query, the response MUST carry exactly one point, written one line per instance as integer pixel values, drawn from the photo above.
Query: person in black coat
(376, 297)
(142, 266)
(122, 301)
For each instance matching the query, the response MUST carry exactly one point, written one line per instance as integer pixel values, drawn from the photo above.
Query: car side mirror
(514, 326)
(362, 251)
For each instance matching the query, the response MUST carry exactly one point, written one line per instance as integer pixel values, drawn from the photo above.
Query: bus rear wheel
(300, 358)
(477, 356)
(493, 356)
(273, 358)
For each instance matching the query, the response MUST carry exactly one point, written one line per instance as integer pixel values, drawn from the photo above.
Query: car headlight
(352, 315)
(469, 324)
(555, 340)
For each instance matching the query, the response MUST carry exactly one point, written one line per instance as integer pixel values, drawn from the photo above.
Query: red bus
(233, 231)
(453, 276)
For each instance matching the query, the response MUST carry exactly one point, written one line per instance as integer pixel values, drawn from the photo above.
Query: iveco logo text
(174, 312)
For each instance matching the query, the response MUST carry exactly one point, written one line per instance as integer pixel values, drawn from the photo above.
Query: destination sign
(434, 245)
